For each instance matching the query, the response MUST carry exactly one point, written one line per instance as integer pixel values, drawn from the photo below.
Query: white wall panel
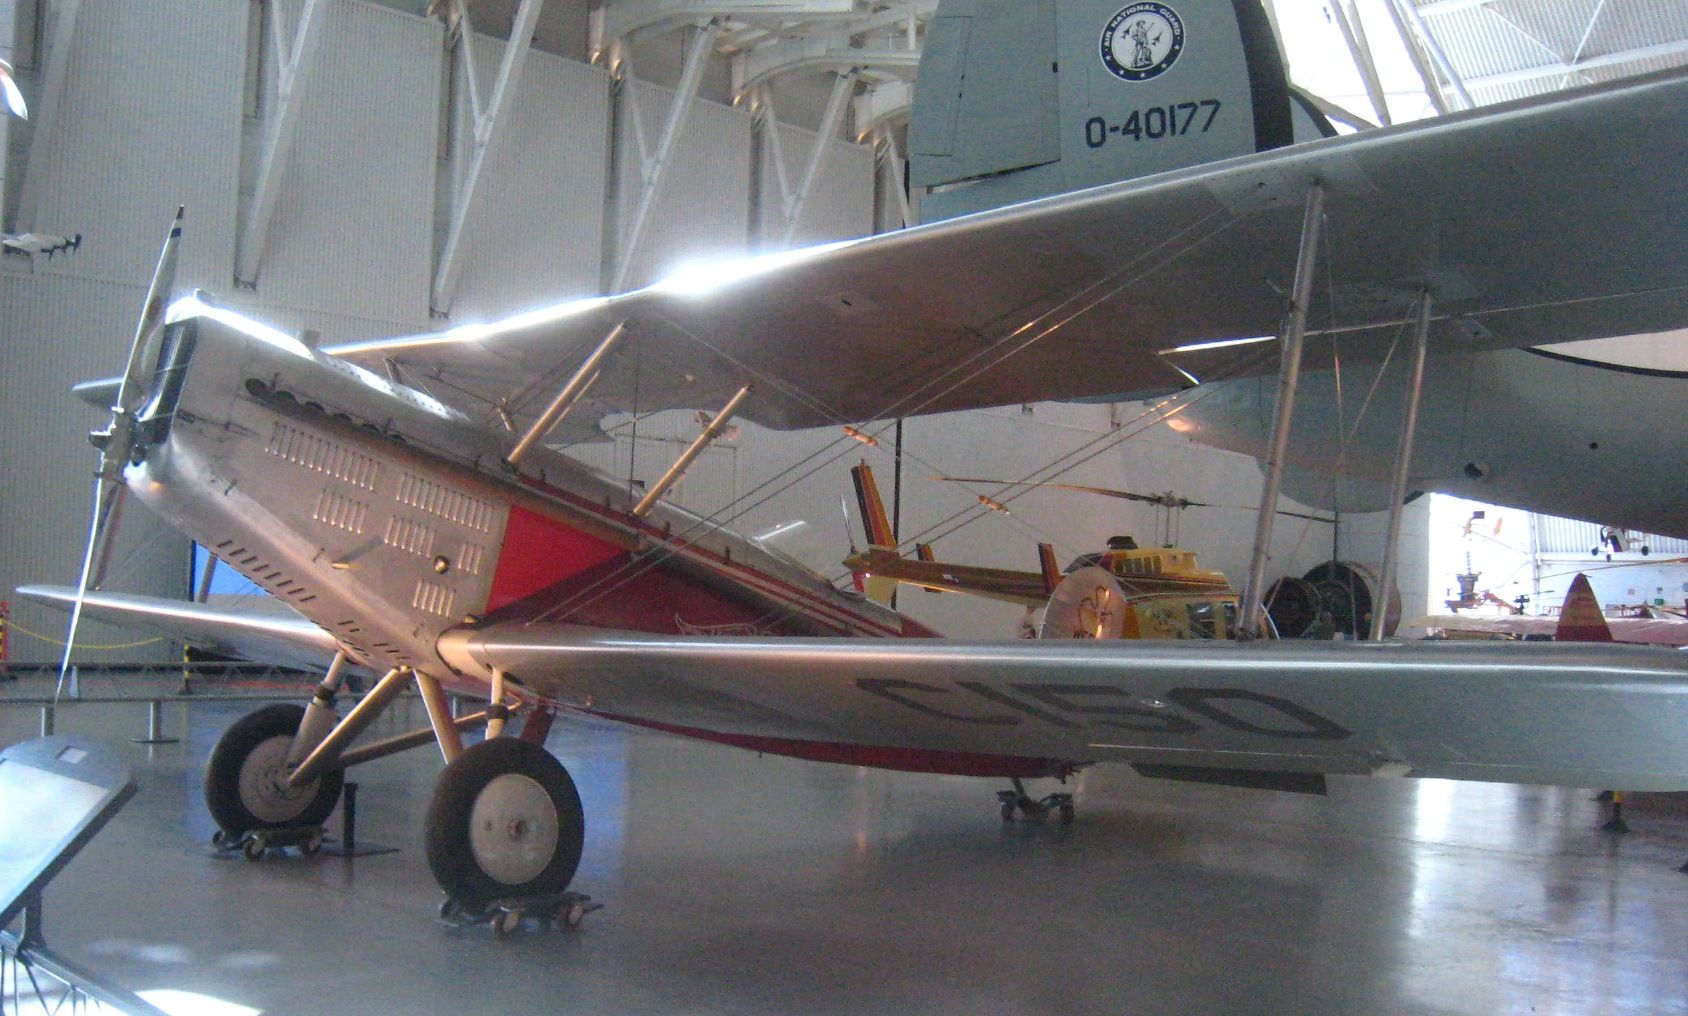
(539, 234)
(840, 203)
(703, 208)
(353, 228)
(141, 132)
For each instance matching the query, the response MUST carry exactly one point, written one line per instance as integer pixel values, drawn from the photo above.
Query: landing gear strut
(1034, 809)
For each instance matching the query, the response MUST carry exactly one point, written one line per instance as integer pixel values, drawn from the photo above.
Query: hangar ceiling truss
(293, 61)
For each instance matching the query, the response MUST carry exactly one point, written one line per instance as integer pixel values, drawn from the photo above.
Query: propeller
(1167, 500)
(117, 442)
(9, 92)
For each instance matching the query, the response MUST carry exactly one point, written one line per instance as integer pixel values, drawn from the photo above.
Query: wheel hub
(264, 790)
(513, 829)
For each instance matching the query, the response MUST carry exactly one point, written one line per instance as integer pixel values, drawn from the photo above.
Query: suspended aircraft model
(33, 245)
(446, 546)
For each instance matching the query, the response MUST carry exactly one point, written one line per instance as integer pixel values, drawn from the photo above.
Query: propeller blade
(1166, 500)
(9, 89)
(95, 518)
(116, 442)
(152, 315)
(111, 517)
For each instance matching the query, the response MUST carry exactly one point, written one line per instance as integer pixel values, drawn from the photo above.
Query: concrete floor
(738, 884)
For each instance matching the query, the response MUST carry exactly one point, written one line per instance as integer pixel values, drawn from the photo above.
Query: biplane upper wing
(1546, 220)
(1511, 712)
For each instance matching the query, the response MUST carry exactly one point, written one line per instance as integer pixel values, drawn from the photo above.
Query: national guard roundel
(1142, 41)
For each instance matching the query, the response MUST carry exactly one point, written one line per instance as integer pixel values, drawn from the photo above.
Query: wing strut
(568, 397)
(678, 469)
(1403, 461)
(1289, 376)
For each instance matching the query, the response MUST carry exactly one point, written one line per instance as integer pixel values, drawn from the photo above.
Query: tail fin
(1046, 564)
(1020, 99)
(878, 526)
(1580, 620)
(877, 588)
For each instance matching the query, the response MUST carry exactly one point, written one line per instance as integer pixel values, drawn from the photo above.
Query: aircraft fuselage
(389, 519)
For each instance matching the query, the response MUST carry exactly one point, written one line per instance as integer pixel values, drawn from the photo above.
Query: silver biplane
(432, 538)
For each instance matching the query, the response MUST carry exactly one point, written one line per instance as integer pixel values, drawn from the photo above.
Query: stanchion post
(349, 818)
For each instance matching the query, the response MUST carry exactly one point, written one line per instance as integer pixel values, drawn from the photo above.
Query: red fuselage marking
(538, 553)
(831, 614)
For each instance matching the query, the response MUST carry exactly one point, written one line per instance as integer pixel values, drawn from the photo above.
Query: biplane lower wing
(1563, 714)
(1576, 715)
(260, 636)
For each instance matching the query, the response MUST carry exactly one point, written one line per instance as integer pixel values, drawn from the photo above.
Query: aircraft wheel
(246, 780)
(505, 822)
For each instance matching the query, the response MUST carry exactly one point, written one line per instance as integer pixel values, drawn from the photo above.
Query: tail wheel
(505, 822)
(246, 780)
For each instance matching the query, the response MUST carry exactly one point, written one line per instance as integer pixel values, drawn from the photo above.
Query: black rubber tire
(446, 835)
(222, 772)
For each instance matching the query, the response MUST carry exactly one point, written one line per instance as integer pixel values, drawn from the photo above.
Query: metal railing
(151, 684)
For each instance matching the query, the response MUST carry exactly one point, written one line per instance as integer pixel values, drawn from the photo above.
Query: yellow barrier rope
(14, 626)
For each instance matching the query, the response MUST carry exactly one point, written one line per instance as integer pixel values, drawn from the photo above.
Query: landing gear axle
(1034, 809)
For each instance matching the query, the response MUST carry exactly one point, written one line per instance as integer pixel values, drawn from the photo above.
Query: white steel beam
(1655, 52)
(47, 114)
(1348, 22)
(490, 127)
(880, 104)
(617, 19)
(830, 122)
(654, 169)
(768, 121)
(894, 166)
(814, 55)
(1451, 6)
(1437, 53)
(292, 73)
(1334, 112)
(1415, 53)
(894, 17)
